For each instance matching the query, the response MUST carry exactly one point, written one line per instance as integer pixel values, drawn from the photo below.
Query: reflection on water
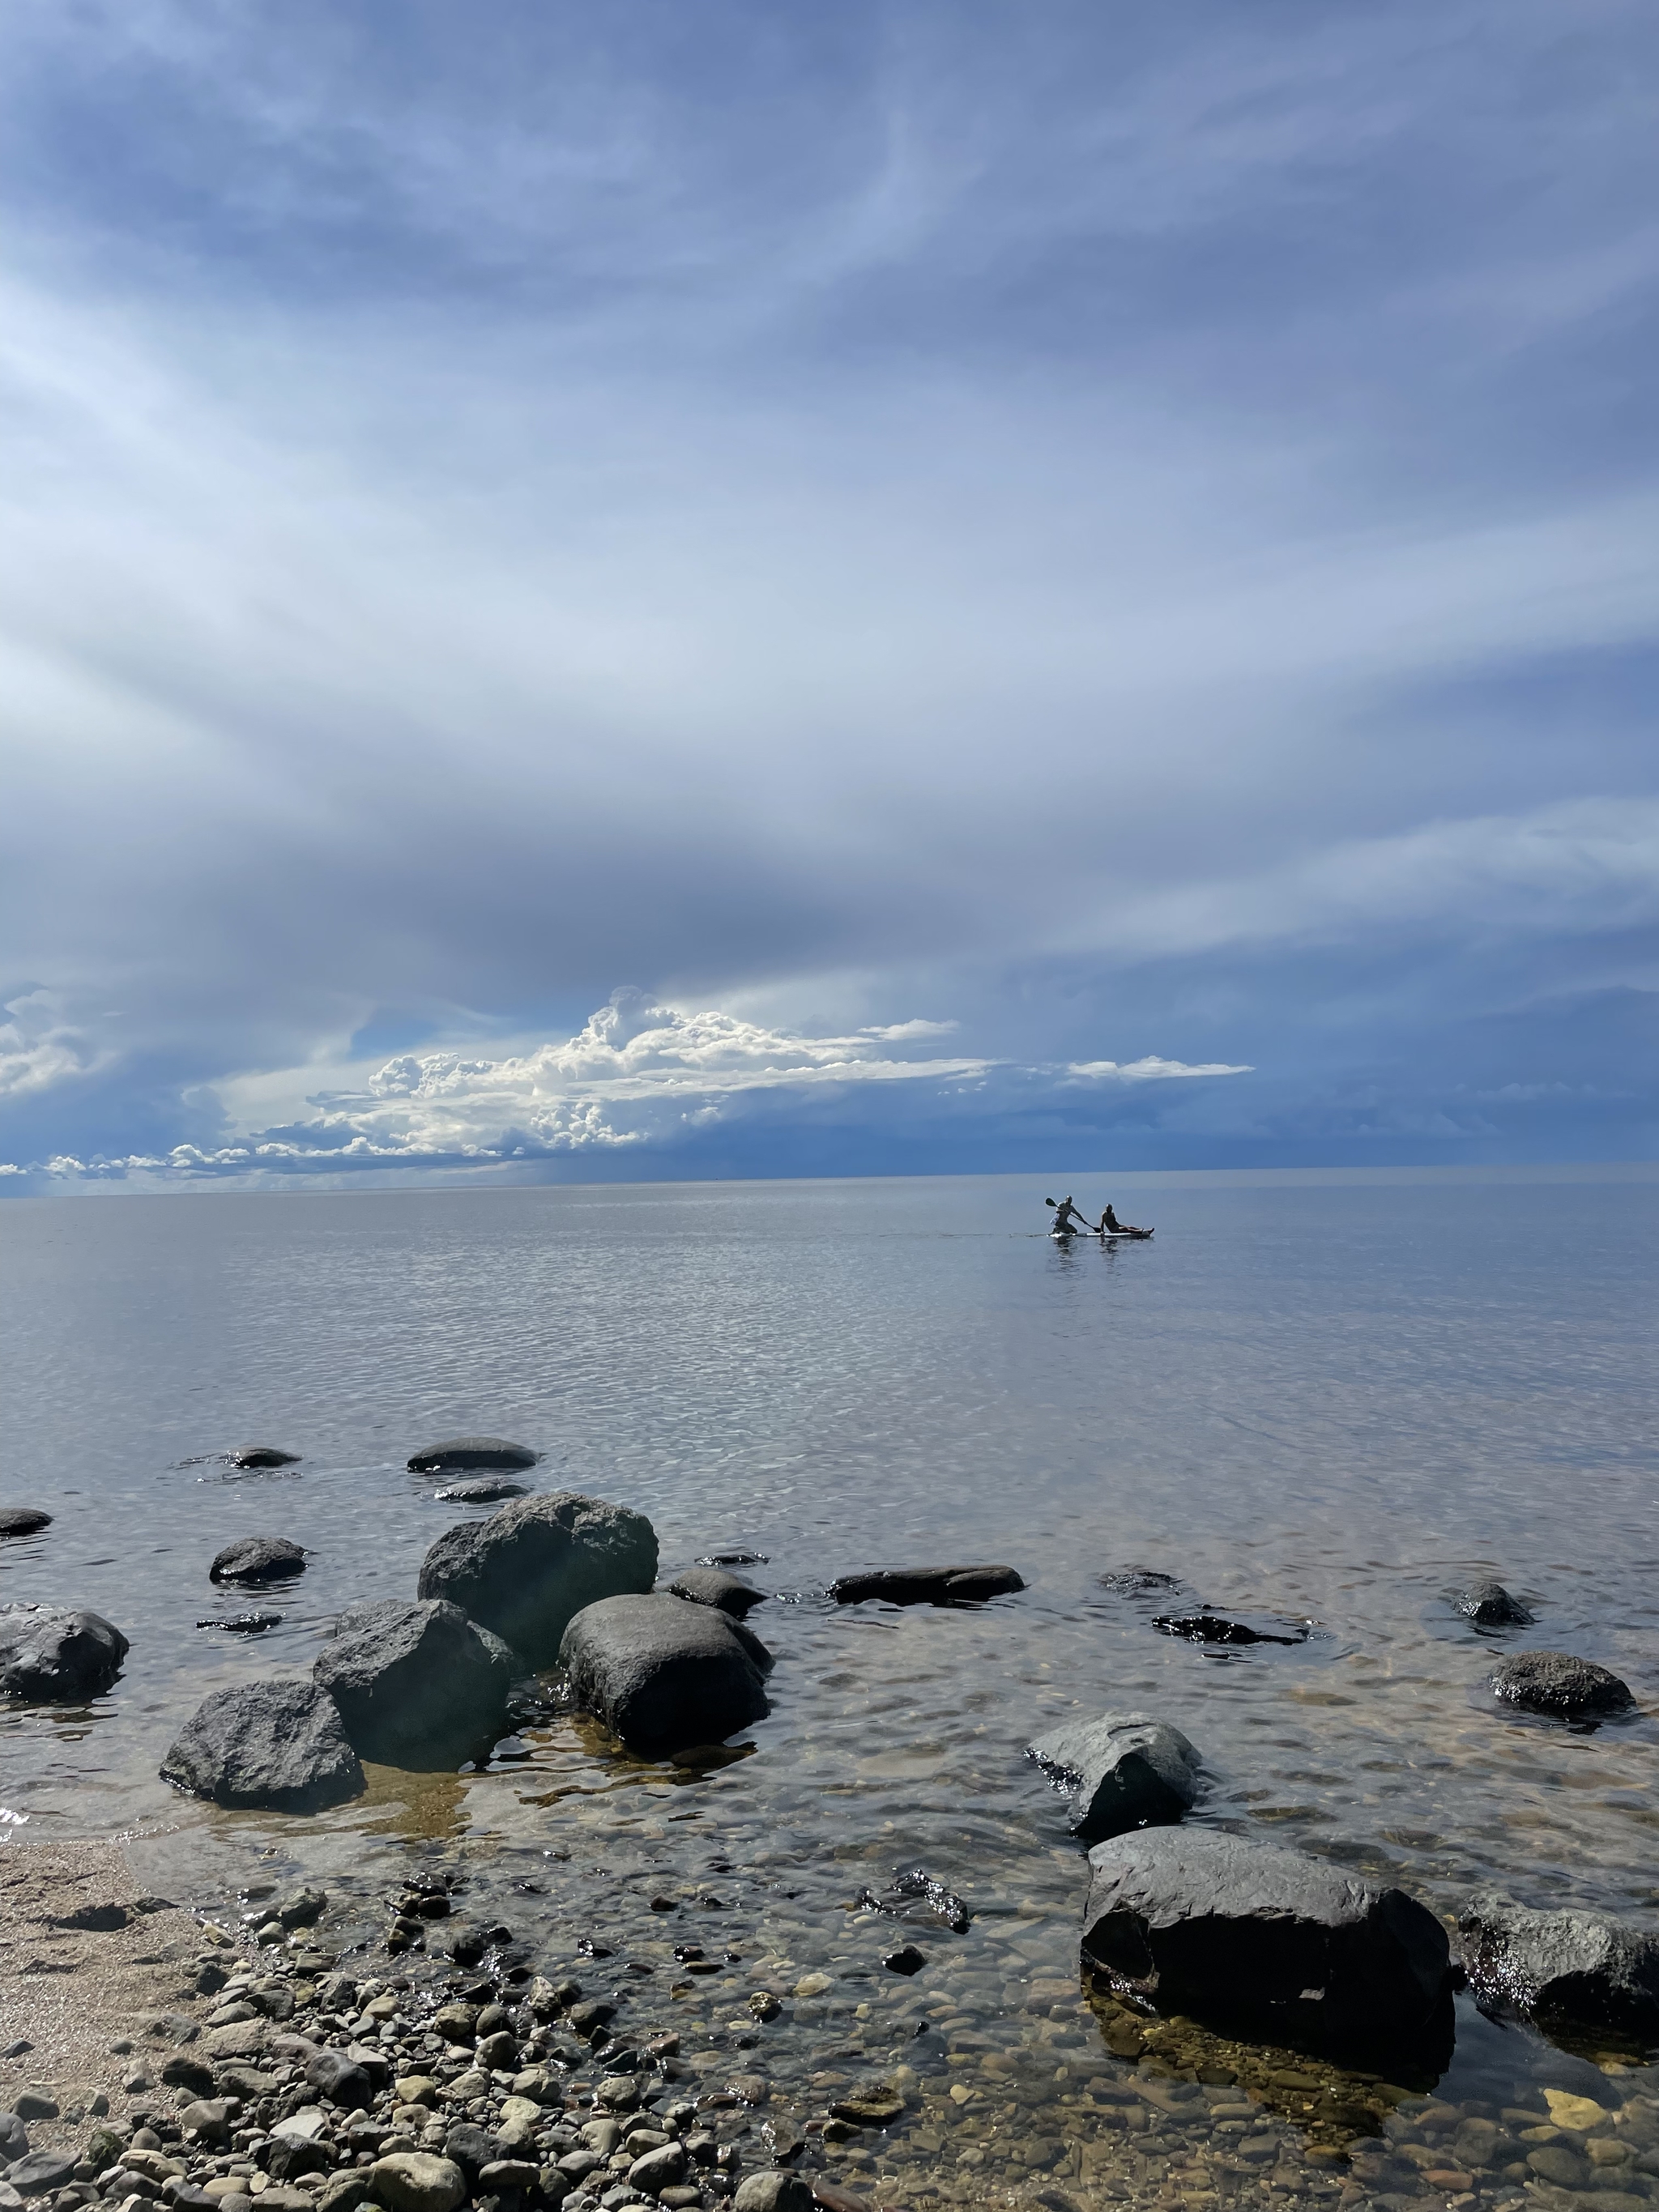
(1326, 1405)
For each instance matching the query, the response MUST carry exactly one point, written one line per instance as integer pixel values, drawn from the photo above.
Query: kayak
(1106, 1235)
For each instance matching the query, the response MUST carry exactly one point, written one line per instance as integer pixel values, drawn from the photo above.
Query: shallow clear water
(1306, 1397)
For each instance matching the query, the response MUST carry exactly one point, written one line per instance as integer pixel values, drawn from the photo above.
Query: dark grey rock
(1555, 1683)
(1123, 1771)
(340, 2080)
(471, 1451)
(906, 1960)
(927, 1585)
(263, 1455)
(483, 1490)
(712, 1586)
(524, 1572)
(242, 1624)
(50, 1651)
(183, 2072)
(258, 1559)
(1208, 1626)
(664, 1673)
(43, 2173)
(280, 1744)
(13, 2137)
(1251, 1939)
(733, 1558)
(411, 1675)
(1138, 1581)
(22, 1519)
(301, 1908)
(1563, 1967)
(1489, 1605)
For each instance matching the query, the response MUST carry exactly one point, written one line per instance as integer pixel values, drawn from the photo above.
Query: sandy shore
(76, 1995)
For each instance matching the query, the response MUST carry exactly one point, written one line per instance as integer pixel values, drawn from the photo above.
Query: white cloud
(39, 1047)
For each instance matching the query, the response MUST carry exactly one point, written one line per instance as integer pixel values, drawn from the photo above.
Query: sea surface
(1331, 1398)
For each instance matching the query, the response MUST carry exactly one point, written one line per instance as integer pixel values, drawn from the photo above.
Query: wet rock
(22, 1520)
(1138, 1581)
(732, 1559)
(1567, 1968)
(777, 2190)
(1555, 1683)
(408, 1675)
(927, 1585)
(242, 1624)
(50, 1651)
(526, 1571)
(710, 1586)
(263, 1455)
(280, 1744)
(1263, 1942)
(1207, 1626)
(471, 1451)
(1122, 1771)
(914, 1894)
(301, 1908)
(664, 1673)
(483, 1490)
(906, 1960)
(258, 1559)
(877, 2107)
(1489, 1605)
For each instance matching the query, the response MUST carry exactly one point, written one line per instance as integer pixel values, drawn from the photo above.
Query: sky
(663, 591)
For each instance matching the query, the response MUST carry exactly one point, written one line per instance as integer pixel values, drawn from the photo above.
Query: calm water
(1319, 1399)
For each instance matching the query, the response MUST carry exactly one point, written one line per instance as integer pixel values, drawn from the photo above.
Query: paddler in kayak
(1068, 1222)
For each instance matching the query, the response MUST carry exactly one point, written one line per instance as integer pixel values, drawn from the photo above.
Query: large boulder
(1574, 1969)
(524, 1572)
(1257, 1941)
(1556, 1683)
(713, 1586)
(58, 1651)
(23, 1519)
(461, 1452)
(1489, 1605)
(927, 1585)
(411, 1674)
(666, 1674)
(480, 1490)
(1123, 1771)
(258, 1559)
(279, 1743)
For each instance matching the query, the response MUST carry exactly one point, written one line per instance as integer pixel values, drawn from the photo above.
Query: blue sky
(660, 591)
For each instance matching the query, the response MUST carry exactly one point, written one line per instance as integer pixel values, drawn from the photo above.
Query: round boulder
(482, 1489)
(279, 1743)
(461, 1452)
(713, 1586)
(666, 1674)
(23, 1519)
(1489, 1605)
(1556, 1683)
(411, 1675)
(258, 1559)
(1567, 1968)
(1123, 1771)
(416, 2181)
(524, 1572)
(51, 1652)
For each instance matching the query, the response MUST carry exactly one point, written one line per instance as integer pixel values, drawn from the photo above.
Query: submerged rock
(1555, 1683)
(1138, 1581)
(242, 1624)
(483, 1490)
(1574, 1969)
(524, 1572)
(915, 1895)
(471, 1451)
(412, 1674)
(732, 1559)
(666, 1674)
(279, 1743)
(1207, 1626)
(23, 1519)
(710, 1586)
(1252, 1939)
(927, 1585)
(49, 1651)
(1123, 1771)
(263, 1455)
(258, 1559)
(1489, 1605)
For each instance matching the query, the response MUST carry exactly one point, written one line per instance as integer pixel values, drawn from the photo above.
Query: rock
(14, 2138)
(208, 2119)
(484, 1490)
(343, 2191)
(524, 1571)
(1123, 1771)
(183, 2072)
(773, 2192)
(258, 1559)
(301, 1908)
(1207, 1626)
(1489, 1605)
(664, 1673)
(1264, 1941)
(471, 1451)
(508, 2173)
(471, 2149)
(51, 1652)
(23, 1519)
(927, 1585)
(408, 1675)
(416, 2181)
(262, 1456)
(1576, 1969)
(870, 2108)
(711, 1586)
(659, 2169)
(1138, 1581)
(914, 1894)
(906, 1960)
(280, 1743)
(1555, 1683)
(242, 1624)
(43, 2173)
(341, 2080)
